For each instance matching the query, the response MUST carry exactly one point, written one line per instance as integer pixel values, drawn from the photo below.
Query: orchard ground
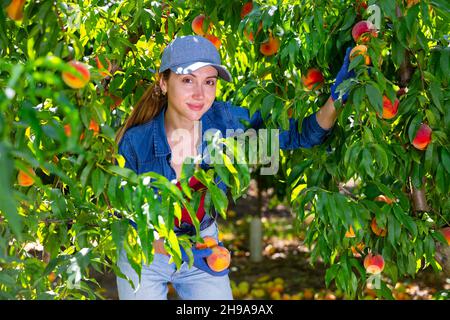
(286, 267)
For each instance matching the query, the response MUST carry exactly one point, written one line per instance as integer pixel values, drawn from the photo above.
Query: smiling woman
(163, 129)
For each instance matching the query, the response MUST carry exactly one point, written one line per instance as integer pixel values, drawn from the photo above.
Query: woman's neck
(172, 122)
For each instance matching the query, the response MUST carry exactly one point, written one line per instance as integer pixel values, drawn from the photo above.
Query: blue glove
(342, 75)
(200, 260)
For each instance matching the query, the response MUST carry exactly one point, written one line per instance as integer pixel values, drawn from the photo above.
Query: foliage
(82, 194)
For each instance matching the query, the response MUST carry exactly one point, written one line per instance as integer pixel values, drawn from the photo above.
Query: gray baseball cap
(189, 53)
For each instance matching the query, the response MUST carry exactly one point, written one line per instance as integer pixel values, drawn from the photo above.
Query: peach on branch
(357, 249)
(15, 9)
(79, 78)
(360, 50)
(389, 109)
(26, 179)
(374, 264)
(249, 35)
(246, 9)
(446, 232)
(219, 259)
(270, 47)
(423, 137)
(363, 30)
(101, 68)
(376, 229)
(197, 25)
(350, 233)
(383, 198)
(215, 41)
(313, 79)
(94, 126)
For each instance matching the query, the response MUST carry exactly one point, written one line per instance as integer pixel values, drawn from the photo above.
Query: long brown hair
(148, 106)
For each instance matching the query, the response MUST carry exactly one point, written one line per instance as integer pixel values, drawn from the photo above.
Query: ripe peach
(15, 9)
(350, 233)
(383, 198)
(67, 130)
(197, 25)
(103, 71)
(410, 3)
(313, 79)
(51, 277)
(220, 259)
(446, 232)
(360, 50)
(374, 264)
(80, 78)
(423, 137)
(270, 47)
(209, 242)
(363, 30)
(216, 41)
(377, 230)
(356, 250)
(249, 35)
(24, 179)
(389, 109)
(93, 125)
(246, 9)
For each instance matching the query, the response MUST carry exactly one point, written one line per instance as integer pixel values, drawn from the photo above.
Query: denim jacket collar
(160, 143)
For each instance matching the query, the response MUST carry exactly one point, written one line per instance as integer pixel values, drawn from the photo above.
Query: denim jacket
(145, 147)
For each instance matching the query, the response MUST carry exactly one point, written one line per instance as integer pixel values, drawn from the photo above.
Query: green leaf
(436, 94)
(445, 159)
(98, 181)
(8, 206)
(375, 98)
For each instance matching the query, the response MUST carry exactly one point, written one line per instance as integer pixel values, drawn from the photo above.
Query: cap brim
(190, 67)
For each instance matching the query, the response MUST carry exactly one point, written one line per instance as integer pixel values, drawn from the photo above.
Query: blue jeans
(189, 283)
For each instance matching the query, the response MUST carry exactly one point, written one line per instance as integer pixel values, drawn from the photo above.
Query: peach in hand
(78, 79)
(360, 50)
(374, 264)
(313, 79)
(219, 259)
(208, 242)
(423, 137)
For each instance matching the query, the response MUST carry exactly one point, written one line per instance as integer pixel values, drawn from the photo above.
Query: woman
(163, 130)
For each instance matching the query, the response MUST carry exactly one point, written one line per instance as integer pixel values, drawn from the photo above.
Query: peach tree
(70, 73)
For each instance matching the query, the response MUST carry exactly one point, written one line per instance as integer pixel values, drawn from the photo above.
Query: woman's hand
(342, 75)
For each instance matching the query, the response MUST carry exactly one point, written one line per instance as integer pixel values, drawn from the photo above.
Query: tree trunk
(256, 232)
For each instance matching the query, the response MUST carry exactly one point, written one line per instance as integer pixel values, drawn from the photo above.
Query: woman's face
(191, 95)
